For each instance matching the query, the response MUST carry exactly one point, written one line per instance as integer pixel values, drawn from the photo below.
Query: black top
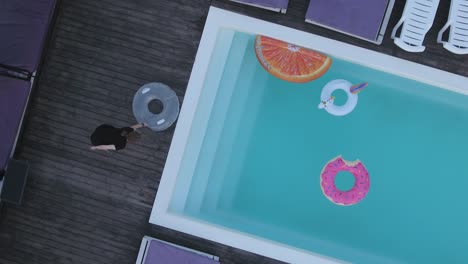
(109, 135)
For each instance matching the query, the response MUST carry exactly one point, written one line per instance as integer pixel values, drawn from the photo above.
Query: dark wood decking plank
(24, 251)
(111, 176)
(58, 243)
(97, 229)
(143, 149)
(101, 185)
(82, 223)
(92, 207)
(90, 161)
(69, 145)
(97, 84)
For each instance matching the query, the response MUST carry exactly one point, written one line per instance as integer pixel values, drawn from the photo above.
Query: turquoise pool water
(266, 142)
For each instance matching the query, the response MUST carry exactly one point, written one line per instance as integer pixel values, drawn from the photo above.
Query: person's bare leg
(103, 147)
(140, 125)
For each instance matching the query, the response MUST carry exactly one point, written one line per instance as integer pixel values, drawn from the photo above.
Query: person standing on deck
(107, 137)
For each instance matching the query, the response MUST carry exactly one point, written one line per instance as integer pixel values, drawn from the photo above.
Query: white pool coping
(218, 19)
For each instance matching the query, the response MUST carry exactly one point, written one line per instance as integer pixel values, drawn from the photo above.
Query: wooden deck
(91, 207)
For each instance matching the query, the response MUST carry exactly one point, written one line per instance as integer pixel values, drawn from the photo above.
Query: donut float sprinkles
(356, 193)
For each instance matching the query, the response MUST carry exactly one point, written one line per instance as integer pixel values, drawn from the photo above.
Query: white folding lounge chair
(458, 23)
(417, 19)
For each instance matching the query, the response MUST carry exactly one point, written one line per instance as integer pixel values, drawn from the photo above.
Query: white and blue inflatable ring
(169, 100)
(327, 98)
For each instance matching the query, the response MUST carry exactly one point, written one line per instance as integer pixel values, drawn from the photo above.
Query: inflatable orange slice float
(290, 62)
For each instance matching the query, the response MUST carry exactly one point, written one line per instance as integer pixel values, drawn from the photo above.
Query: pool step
(240, 121)
(206, 99)
(225, 82)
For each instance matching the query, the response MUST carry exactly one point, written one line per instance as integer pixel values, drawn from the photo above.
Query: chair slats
(458, 25)
(416, 21)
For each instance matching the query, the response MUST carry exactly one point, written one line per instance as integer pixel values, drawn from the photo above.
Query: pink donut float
(355, 194)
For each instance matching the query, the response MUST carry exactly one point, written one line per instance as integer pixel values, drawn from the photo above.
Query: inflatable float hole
(344, 181)
(340, 97)
(155, 106)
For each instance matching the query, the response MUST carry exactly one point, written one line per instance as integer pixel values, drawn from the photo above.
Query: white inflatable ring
(169, 100)
(327, 98)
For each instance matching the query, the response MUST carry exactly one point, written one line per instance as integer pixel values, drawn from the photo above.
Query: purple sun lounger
(274, 5)
(14, 95)
(23, 30)
(364, 19)
(155, 251)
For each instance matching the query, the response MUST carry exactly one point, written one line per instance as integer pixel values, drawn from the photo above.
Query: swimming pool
(245, 163)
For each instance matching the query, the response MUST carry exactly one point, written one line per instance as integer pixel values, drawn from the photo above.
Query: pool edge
(219, 18)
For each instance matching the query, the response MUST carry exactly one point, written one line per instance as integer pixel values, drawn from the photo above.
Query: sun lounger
(23, 29)
(364, 19)
(274, 5)
(458, 23)
(417, 19)
(155, 251)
